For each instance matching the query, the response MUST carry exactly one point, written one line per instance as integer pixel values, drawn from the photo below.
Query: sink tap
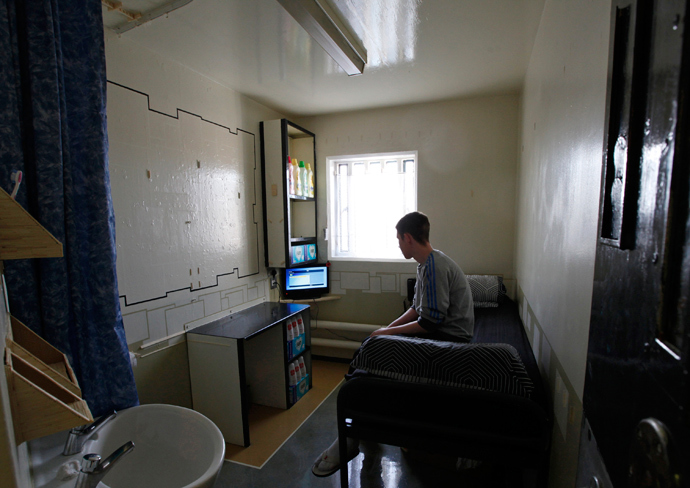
(79, 435)
(93, 470)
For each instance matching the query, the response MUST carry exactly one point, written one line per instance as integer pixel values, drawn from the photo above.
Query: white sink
(175, 447)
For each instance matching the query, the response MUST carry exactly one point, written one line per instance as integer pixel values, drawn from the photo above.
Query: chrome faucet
(93, 470)
(79, 435)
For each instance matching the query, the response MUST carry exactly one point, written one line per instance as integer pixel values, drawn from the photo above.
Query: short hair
(416, 224)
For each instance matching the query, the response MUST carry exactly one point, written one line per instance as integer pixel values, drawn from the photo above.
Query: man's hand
(409, 328)
(381, 331)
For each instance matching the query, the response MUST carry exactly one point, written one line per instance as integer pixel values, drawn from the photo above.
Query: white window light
(367, 195)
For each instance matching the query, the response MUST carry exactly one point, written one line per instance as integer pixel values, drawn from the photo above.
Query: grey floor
(376, 466)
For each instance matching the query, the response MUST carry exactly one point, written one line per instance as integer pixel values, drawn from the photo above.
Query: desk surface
(250, 322)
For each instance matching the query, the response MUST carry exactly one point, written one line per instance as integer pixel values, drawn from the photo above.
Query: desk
(243, 359)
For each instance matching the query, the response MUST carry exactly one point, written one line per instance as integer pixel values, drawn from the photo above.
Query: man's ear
(407, 237)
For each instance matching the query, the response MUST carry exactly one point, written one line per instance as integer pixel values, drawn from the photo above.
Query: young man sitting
(442, 309)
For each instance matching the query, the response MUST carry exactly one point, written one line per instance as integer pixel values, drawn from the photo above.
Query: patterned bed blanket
(494, 367)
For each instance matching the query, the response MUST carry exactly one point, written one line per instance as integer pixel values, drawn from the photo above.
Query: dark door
(636, 387)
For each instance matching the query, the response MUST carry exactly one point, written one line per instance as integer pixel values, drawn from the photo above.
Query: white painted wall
(466, 185)
(185, 168)
(564, 106)
(560, 172)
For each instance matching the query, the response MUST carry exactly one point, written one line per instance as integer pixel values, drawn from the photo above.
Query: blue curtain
(53, 128)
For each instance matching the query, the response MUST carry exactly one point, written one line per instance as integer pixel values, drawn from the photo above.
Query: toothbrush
(17, 179)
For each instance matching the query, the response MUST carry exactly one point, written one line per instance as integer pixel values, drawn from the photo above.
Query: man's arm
(410, 315)
(409, 328)
(405, 324)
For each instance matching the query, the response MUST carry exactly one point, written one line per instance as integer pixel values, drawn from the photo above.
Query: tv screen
(305, 282)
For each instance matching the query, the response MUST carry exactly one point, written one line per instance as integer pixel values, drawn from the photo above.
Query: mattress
(480, 423)
(502, 325)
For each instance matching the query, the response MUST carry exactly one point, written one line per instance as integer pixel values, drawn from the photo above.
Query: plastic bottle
(298, 180)
(302, 367)
(295, 189)
(310, 181)
(293, 377)
(300, 324)
(298, 372)
(299, 338)
(303, 179)
(291, 333)
(290, 178)
(292, 382)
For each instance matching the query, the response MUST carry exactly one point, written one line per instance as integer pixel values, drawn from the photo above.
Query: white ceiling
(418, 50)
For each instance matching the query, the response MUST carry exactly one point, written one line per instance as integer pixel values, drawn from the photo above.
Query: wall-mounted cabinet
(289, 218)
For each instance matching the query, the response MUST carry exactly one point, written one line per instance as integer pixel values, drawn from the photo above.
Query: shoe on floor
(329, 461)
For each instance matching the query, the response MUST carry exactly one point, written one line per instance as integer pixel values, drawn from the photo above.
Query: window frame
(367, 158)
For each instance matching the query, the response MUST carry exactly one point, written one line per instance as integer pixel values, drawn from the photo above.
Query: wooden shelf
(21, 236)
(45, 397)
(40, 405)
(44, 393)
(33, 349)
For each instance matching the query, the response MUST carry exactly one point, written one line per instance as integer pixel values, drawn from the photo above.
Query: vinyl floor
(270, 427)
(377, 465)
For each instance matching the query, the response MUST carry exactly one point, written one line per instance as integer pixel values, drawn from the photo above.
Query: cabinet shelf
(287, 216)
(302, 240)
(21, 236)
(298, 198)
(302, 353)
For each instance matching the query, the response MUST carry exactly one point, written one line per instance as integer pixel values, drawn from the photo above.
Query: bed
(501, 415)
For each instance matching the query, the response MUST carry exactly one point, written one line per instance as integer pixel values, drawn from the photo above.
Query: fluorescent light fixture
(324, 26)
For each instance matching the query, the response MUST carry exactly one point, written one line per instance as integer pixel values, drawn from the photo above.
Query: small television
(306, 282)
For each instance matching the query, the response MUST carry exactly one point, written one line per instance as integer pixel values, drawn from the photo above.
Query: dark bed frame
(505, 429)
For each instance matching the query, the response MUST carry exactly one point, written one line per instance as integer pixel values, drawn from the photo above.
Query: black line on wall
(256, 224)
(177, 115)
(187, 288)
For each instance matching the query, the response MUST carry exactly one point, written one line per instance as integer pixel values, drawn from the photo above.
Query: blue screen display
(309, 278)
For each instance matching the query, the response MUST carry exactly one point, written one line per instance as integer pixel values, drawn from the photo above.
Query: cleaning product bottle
(302, 367)
(290, 337)
(310, 181)
(303, 178)
(292, 382)
(295, 177)
(298, 372)
(302, 386)
(296, 339)
(295, 326)
(300, 324)
(289, 175)
(299, 188)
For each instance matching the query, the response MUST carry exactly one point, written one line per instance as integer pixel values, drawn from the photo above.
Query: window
(367, 195)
